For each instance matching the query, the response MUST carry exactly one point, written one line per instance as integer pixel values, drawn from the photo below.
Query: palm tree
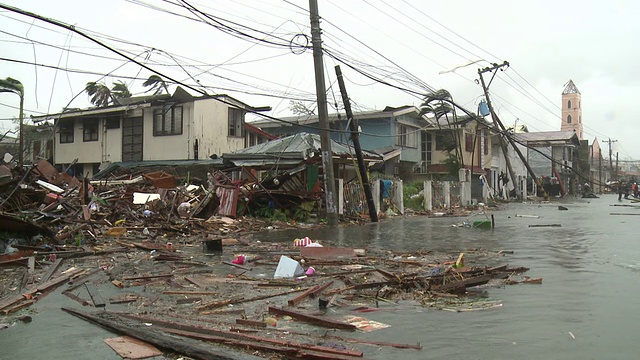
(156, 84)
(101, 95)
(120, 91)
(440, 104)
(14, 86)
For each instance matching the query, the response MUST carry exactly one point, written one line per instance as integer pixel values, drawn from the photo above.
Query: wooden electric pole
(611, 177)
(504, 130)
(355, 137)
(323, 116)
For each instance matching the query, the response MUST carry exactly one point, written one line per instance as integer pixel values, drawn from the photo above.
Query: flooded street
(590, 267)
(586, 307)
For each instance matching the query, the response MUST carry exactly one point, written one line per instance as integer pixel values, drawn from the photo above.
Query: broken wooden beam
(260, 324)
(182, 328)
(317, 320)
(181, 346)
(298, 299)
(148, 277)
(320, 289)
(50, 271)
(460, 286)
(184, 292)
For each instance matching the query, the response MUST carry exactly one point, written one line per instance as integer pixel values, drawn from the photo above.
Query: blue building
(393, 133)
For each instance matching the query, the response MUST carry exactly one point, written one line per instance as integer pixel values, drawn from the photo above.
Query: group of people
(628, 188)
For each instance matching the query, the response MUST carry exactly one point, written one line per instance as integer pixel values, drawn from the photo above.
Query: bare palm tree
(156, 84)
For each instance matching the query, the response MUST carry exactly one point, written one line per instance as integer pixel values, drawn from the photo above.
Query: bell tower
(571, 109)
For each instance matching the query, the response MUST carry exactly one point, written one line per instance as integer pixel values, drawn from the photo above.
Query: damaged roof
(298, 147)
(548, 138)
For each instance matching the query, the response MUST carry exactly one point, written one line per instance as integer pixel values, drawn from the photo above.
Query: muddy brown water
(586, 308)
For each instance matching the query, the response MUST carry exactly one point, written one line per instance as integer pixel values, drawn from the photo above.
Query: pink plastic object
(310, 271)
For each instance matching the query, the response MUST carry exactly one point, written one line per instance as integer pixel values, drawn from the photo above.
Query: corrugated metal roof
(547, 136)
(299, 146)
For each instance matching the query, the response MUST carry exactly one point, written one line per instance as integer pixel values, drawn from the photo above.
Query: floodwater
(586, 308)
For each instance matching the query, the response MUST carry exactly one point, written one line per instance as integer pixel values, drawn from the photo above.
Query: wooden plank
(242, 300)
(51, 270)
(298, 299)
(132, 348)
(317, 320)
(97, 299)
(180, 346)
(17, 307)
(545, 225)
(320, 289)
(181, 292)
(148, 277)
(195, 331)
(458, 286)
(259, 324)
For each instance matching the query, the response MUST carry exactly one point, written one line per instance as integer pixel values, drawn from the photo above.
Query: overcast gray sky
(251, 54)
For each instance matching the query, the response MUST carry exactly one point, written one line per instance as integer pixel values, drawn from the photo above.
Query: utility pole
(610, 158)
(616, 165)
(600, 173)
(323, 116)
(504, 130)
(355, 137)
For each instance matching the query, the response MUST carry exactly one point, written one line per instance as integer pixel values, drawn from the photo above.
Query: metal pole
(355, 137)
(323, 116)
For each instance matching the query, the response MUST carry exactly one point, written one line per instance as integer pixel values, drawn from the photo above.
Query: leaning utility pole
(610, 159)
(355, 137)
(323, 116)
(501, 126)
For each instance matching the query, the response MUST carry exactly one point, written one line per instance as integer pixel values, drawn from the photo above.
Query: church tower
(571, 109)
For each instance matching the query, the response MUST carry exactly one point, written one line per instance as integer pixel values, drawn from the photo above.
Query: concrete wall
(205, 120)
(211, 128)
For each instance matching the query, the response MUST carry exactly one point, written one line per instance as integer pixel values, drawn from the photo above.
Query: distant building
(572, 109)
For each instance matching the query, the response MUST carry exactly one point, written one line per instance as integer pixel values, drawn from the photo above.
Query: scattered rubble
(160, 258)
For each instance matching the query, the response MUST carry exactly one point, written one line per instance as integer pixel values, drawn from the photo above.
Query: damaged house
(394, 133)
(287, 173)
(161, 127)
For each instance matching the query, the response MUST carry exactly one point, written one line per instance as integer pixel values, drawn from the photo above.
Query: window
(167, 121)
(568, 119)
(580, 120)
(468, 142)
(569, 104)
(440, 141)
(236, 121)
(66, 131)
(406, 136)
(90, 130)
(112, 123)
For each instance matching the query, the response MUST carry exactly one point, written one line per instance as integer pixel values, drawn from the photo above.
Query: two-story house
(149, 128)
(393, 133)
